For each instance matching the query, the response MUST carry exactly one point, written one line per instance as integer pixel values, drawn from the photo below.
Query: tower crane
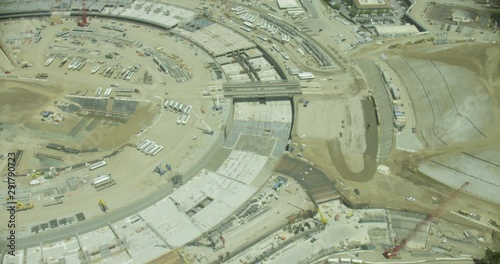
(394, 252)
(83, 22)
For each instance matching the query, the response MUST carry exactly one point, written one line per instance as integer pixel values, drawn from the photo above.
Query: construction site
(224, 131)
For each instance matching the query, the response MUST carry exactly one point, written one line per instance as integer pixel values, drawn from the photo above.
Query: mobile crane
(394, 252)
(207, 129)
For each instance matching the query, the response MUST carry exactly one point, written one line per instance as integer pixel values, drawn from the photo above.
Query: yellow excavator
(23, 206)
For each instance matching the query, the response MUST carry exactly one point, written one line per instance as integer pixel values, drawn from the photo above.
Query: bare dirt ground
(18, 99)
(390, 190)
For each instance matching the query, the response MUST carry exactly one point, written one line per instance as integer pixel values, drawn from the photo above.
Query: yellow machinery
(36, 174)
(349, 215)
(322, 217)
(23, 206)
(103, 205)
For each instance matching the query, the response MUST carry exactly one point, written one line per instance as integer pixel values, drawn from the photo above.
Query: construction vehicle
(36, 174)
(207, 129)
(349, 215)
(394, 251)
(217, 106)
(159, 170)
(412, 169)
(83, 22)
(103, 205)
(22, 206)
(322, 217)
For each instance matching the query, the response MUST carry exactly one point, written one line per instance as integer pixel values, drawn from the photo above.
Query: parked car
(306, 103)
(411, 199)
(357, 191)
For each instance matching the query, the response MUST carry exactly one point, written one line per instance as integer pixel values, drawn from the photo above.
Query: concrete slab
(271, 111)
(256, 144)
(218, 39)
(480, 168)
(16, 259)
(242, 166)
(322, 118)
(143, 244)
(408, 141)
(173, 225)
(67, 250)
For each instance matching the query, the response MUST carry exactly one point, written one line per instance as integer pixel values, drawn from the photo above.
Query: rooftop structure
(395, 30)
(464, 16)
(219, 40)
(372, 4)
(287, 4)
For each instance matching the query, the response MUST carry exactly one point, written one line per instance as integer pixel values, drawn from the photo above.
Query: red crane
(394, 252)
(83, 22)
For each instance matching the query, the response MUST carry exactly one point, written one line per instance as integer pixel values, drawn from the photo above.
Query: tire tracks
(454, 103)
(430, 103)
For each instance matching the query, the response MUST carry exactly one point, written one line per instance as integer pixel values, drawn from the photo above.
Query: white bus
(142, 144)
(157, 151)
(148, 149)
(262, 38)
(276, 48)
(95, 69)
(153, 150)
(179, 120)
(185, 119)
(245, 28)
(284, 55)
(101, 179)
(147, 145)
(97, 165)
(188, 109)
(305, 76)
(241, 12)
(98, 91)
(248, 24)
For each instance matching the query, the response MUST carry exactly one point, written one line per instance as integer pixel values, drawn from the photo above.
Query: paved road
(113, 216)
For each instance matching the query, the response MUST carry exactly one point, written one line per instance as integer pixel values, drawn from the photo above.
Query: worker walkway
(262, 89)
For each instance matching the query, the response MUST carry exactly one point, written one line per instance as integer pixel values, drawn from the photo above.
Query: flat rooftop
(372, 4)
(218, 39)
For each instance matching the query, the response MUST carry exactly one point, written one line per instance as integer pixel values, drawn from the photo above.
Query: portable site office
(142, 144)
(147, 145)
(146, 150)
(153, 150)
(157, 151)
